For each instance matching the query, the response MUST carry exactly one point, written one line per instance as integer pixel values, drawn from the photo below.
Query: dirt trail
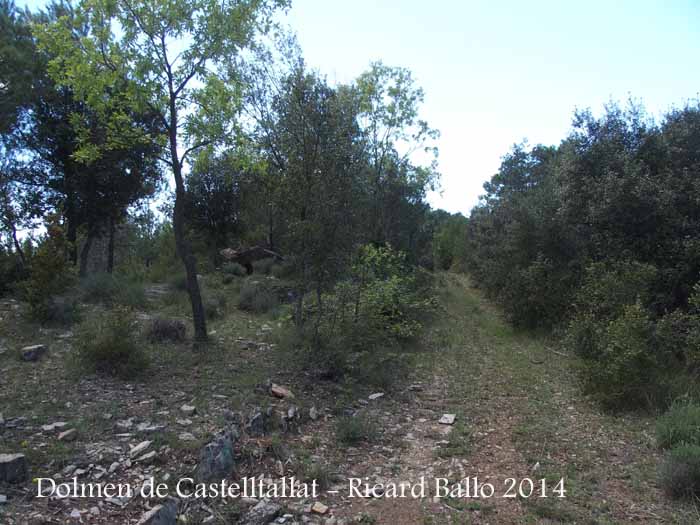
(519, 416)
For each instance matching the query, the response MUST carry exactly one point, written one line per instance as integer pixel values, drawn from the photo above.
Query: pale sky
(496, 72)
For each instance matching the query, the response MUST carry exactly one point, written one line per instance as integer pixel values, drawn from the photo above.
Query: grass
(352, 430)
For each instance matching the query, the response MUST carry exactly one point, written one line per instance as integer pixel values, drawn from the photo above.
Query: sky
(497, 72)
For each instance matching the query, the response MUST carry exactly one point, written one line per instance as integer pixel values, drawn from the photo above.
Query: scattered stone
(125, 424)
(184, 422)
(58, 425)
(319, 508)
(68, 470)
(416, 388)
(13, 468)
(95, 511)
(165, 514)
(188, 410)
(262, 514)
(2, 419)
(313, 413)
(75, 514)
(33, 352)
(187, 436)
(141, 447)
(281, 392)
(147, 458)
(113, 467)
(68, 435)
(216, 458)
(149, 428)
(3, 499)
(374, 397)
(447, 419)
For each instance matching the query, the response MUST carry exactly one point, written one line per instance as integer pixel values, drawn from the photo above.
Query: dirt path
(519, 417)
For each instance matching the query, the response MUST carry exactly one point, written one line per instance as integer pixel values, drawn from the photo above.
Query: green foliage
(236, 269)
(49, 271)
(361, 326)
(107, 345)
(263, 266)
(110, 289)
(257, 297)
(680, 472)
(625, 371)
(353, 430)
(680, 425)
(214, 303)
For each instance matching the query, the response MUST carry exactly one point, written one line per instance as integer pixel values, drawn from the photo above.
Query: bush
(263, 266)
(108, 347)
(162, 330)
(257, 298)
(110, 289)
(49, 272)
(680, 425)
(214, 304)
(355, 429)
(232, 268)
(625, 372)
(680, 472)
(285, 269)
(62, 311)
(178, 282)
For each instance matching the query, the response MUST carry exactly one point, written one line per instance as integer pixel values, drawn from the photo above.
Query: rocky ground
(483, 402)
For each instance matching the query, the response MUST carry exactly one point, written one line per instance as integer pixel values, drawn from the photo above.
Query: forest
(214, 262)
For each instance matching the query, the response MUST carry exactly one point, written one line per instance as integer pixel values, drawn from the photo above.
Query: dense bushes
(678, 431)
(597, 237)
(107, 345)
(364, 322)
(110, 289)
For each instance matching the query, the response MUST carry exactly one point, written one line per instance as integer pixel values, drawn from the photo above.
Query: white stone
(135, 451)
(448, 419)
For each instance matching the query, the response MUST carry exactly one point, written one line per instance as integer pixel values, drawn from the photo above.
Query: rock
(313, 413)
(447, 419)
(58, 425)
(262, 514)
(125, 424)
(256, 424)
(216, 458)
(141, 447)
(165, 514)
(319, 508)
(68, 435)
(75, 514)
(376, 396)
(13, 468)
(33, 352)
(187, 436)
(3, 499)
(188, 410)
(146, 458)
(148, 428)
(113, 467)
(281, 392)
(95, 511)
(2, 420)
(184, 422)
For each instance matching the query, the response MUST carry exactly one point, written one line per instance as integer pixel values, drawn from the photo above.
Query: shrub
(284, 269)
(61, 311)
(263, 266)
(178, 282)
(162, 330)
(49, 272)
(110, 289)
(680, 472)
(257, 298)
(625, 372)
(232, 268)
(679, 425)
(214, 304)
(352, 430)
(108, 346)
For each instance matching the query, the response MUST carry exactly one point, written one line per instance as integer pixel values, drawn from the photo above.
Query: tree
(180, 59)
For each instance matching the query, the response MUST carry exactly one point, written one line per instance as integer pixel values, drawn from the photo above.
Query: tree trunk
(110, 245)
(85, 252)
(184, 249)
